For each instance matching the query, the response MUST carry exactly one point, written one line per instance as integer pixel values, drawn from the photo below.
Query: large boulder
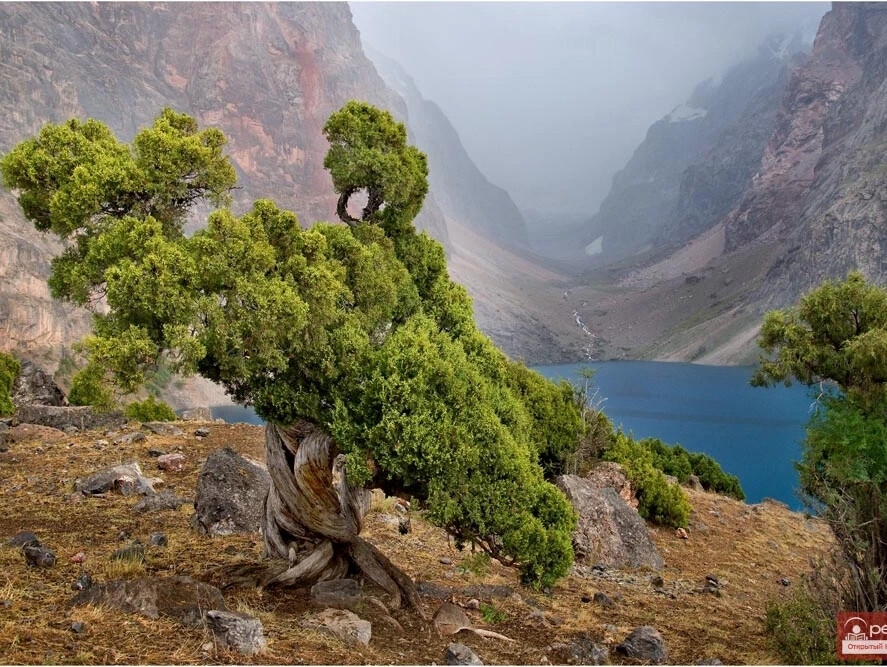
(610, 532)
(610, 475)
(230, 494)
(644, 644)
(181, 598)
(127, 478)
(34, 386)
(63, 416)
(241, 632)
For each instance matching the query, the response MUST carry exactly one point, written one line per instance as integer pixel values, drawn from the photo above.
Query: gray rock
(23, 539)
(34, 386)
(230, 494)
(201, 432)
(59, 417)
(708, 661)
(646, 644)
(610, 532)
(339, 593)
(603, 600)
(126, 478)
(202, 414)
(164, 428)
(181, 598)
(165, 500)
(134, 552)
(158, 540)
(82, 582)
(38, 556)
(581, 651)
(130, 438)
(694, 483)
(155, 453)
(785, 581)
(459, 654)
(171, 462)
(241, 632)
(344, 625)
(78, 627)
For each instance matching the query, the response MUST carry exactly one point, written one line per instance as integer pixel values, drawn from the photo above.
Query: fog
(550, 99)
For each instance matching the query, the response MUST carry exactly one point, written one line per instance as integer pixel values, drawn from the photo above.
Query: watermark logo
(862, 635)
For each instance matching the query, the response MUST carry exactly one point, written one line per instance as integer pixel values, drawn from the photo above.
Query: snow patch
(595, 247)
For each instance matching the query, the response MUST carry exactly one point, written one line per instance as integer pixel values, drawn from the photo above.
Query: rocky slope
(696, 162)
(268, 75)
(462, 191)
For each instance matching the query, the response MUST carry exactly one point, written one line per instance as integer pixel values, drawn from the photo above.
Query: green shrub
(658, 501)
(150, 410)
(9, 370)
(491, 614)
(802, 631)
(678, 462)
(477, 563)
(88, 388)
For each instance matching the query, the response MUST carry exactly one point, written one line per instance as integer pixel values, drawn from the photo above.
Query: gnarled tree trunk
(313, 518)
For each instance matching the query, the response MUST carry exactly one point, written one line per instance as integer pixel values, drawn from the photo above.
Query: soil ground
(749, 548)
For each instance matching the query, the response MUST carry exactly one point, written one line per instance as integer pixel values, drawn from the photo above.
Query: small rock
(646, 644)
(657, 581)
(338, 593)
(446, 561)
(70, 429)
(79, 558)
(713, 580)
(23, 539)
(603, 600)
(155, 453)
(241, 632)
(165, 500)
(171, 462)
(343, 624)
(126, 478)
(404, 526)
(694, 483)
(130, 438)
(708, 661)
(473, 603)
(38, 556)
(158, 540)
(682, 533)
(581, 651)
(82, 582)
(123, 535)
(164, 428)
(134, 552)
(75, 497)
(459, 654)
(785, 581)
(201, 432)
(101, 443)
(78, 627)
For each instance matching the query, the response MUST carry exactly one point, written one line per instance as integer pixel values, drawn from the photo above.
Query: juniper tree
(350, 340)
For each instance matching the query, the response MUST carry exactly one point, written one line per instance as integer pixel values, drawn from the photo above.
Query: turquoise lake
(753, 433)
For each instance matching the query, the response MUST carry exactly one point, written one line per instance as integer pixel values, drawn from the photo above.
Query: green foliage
(356, 328)
(477, 563)
(9, 370)
(150, 410)
(678, 462)
(802, 631)
(658, 501)
(88, 387)
(491, 614)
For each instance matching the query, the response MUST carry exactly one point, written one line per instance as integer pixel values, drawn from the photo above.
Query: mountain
(697, 160)
(463, 192)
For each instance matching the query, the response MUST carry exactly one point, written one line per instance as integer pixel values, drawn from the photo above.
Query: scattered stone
(126, 478)
(338, 593)
(181, 598)
(473, 603)
(158, 540)
(37, 555)
(165, 500)
(230, 494)
(58, 417)
(164, 428)
(646, 644)
(682, 534)
(446, 561)
(581, 651)
(130, 438)
(241, 632)
(35, 386)
(82, 582)
(714, 580)
(459, 654)
(785, 581)
(79, 558)
(603, 600)
(71, 430)
(343, 624)
(23, 539)
(610, 532)
(657, 581)
(202, 414)
(171, 462)
(155, 453)
(78, 627)
(201, 432)
(134, 552)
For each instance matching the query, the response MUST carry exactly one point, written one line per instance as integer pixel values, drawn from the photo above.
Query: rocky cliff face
(462, 191)
(268, 75)
(696, 162)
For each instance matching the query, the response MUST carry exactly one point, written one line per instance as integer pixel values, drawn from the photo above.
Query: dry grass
(750, 550)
